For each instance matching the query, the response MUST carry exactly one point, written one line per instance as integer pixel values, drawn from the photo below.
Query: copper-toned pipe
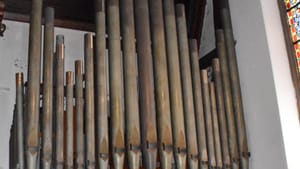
(69, 119)
(20, 118)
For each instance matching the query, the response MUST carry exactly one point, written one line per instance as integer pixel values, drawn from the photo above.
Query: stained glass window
(293, 14)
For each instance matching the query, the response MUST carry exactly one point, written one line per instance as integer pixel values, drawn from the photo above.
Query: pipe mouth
(19, 78)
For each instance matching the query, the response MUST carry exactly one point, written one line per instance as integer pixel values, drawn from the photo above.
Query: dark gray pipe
(33, 87)
(48, 88)
(221, 111)
(216, 130)
(208, 120)
(69, 119)
(186, 79)
(146, 84)
(174, 77)
(79, 107)
(89, 101)
(101, 109)
(20, 118)
(133, 137)
(235, 89)
(233, 145)
(199, 112)
(59, 101)
(116, 85)
(162, 86)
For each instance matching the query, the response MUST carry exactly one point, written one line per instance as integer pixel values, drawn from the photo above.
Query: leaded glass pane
(294, 22)
(290, 3)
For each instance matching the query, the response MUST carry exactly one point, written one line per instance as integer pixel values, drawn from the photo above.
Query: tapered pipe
(186, 79)
(69, 119)
(48, 88)
(133, 137)
(208, 120)
(215, 121)
(174, 76)
(20, 118)
(233, 144)
(146, 84)
(59, 101)
(199, 112)
(33, 87)
(101, 109)
(235, 89)
(162, 88)
(79, 107)
(89, 101)
(116, 85)
(221, 112)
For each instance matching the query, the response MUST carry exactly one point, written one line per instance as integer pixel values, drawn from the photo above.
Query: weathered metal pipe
(146, 84)
(233, 145)
(199, 112)
(116, 84)
(48, 88)
(69, 119)
(59, 101)
(174, 76)
(235, 89)
(33, 86)
(89, 101)
(79, 107)
(186, 78)
(221, 111)
(162, 88)
(101, 109)
(208, 119)
(133, 138)
(20, 118)
(216, 130)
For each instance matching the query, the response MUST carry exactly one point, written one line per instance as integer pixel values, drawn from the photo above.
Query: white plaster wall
(268, 94)
(13, 58)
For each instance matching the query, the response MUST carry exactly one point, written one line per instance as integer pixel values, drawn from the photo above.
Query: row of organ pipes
(161, 109)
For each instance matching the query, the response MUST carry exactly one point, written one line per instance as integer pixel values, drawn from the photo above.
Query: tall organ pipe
(79, 107)
(186, 78)
(48, 88)
(69, 119)
(235, 89)
(89, 101)
(101, 110)
(146, 84)
(233, 144)
(33, 87)
(20, 118)
(115, 81)
(174, 76)
(131, 84)
(162, 86)
(59, 101)
(221, 112)
(208, 119)
(199, 112)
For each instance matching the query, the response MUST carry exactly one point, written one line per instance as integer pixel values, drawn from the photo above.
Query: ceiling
(78, 14)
